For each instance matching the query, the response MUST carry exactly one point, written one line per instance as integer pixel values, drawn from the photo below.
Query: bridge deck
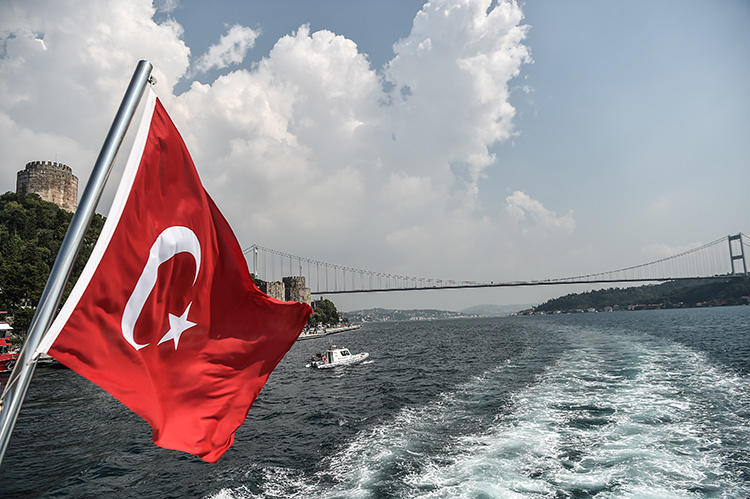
(523, 283)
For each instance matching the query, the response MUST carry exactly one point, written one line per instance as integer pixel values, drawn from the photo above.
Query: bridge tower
(740, 255)
(255, 260)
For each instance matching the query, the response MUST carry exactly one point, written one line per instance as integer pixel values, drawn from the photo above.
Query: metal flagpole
(18, 383)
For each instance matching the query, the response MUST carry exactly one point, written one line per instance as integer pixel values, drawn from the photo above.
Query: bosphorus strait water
(623, 404)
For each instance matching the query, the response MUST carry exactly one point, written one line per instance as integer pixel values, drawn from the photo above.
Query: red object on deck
(7, 355)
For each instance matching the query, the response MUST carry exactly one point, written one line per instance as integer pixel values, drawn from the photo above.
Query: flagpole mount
(20, 378)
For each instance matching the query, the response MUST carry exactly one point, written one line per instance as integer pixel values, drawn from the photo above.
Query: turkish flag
(165, 316)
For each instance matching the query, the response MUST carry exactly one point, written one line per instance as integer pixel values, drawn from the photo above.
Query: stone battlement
(37, 165)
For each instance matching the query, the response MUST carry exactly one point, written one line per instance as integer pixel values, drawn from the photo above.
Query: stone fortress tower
(295, 289)
(274, 289)
(52, 181)
(288, 289)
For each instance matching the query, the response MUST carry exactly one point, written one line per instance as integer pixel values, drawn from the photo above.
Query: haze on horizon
(466, 140)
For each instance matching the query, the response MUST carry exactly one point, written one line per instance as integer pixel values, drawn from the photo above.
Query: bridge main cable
(686, 265)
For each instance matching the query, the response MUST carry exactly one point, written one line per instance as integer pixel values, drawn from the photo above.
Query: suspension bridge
(721, 258)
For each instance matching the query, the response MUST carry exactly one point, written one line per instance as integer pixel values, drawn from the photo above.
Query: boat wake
(638, 423)
(614, 415)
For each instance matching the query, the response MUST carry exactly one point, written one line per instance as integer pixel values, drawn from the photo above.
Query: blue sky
(636, 102)
(628, 104)
(455, 140)
(373, 26)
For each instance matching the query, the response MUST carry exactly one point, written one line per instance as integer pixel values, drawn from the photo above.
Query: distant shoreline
(668, 295)
(650, 306)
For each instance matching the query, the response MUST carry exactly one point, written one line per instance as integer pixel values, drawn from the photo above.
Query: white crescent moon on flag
(171, 241)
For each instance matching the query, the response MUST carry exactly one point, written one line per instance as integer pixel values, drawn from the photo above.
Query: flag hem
(113, 218)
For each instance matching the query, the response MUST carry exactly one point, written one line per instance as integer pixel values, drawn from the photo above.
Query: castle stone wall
(295, 289)
(52, 181)
(275, 289)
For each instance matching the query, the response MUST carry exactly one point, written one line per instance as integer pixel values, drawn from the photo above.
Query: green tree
(31, 232)
(324, 313)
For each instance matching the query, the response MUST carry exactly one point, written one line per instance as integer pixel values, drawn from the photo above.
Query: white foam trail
(360, 466)
(590, 427)
(615, 416)
(354, 469)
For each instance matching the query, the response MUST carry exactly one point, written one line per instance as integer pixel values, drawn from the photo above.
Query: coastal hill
(491, 310)
(673, 294)
(385, 314)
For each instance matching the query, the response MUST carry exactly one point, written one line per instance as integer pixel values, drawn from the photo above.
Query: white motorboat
(335, 356)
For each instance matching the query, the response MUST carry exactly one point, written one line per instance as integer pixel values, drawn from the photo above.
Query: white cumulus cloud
(166, 6)
(525, 209)
(310, 149)
(53, 95)
(231, 49)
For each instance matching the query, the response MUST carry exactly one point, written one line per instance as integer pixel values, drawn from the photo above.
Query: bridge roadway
(525, 283)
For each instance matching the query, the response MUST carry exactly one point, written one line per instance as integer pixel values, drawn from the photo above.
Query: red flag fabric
(165, 316)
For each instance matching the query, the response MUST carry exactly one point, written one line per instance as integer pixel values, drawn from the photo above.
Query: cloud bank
(310, 149)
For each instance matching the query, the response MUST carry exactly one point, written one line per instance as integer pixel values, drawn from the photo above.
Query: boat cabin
(337, 354)
(332, 355)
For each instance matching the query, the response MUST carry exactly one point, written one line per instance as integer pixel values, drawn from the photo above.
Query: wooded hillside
(31, 231)
(673, 294)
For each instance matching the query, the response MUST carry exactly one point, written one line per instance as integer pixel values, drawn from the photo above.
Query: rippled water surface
(628, 404)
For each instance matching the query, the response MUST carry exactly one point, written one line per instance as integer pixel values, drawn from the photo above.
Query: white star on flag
(177, 326)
